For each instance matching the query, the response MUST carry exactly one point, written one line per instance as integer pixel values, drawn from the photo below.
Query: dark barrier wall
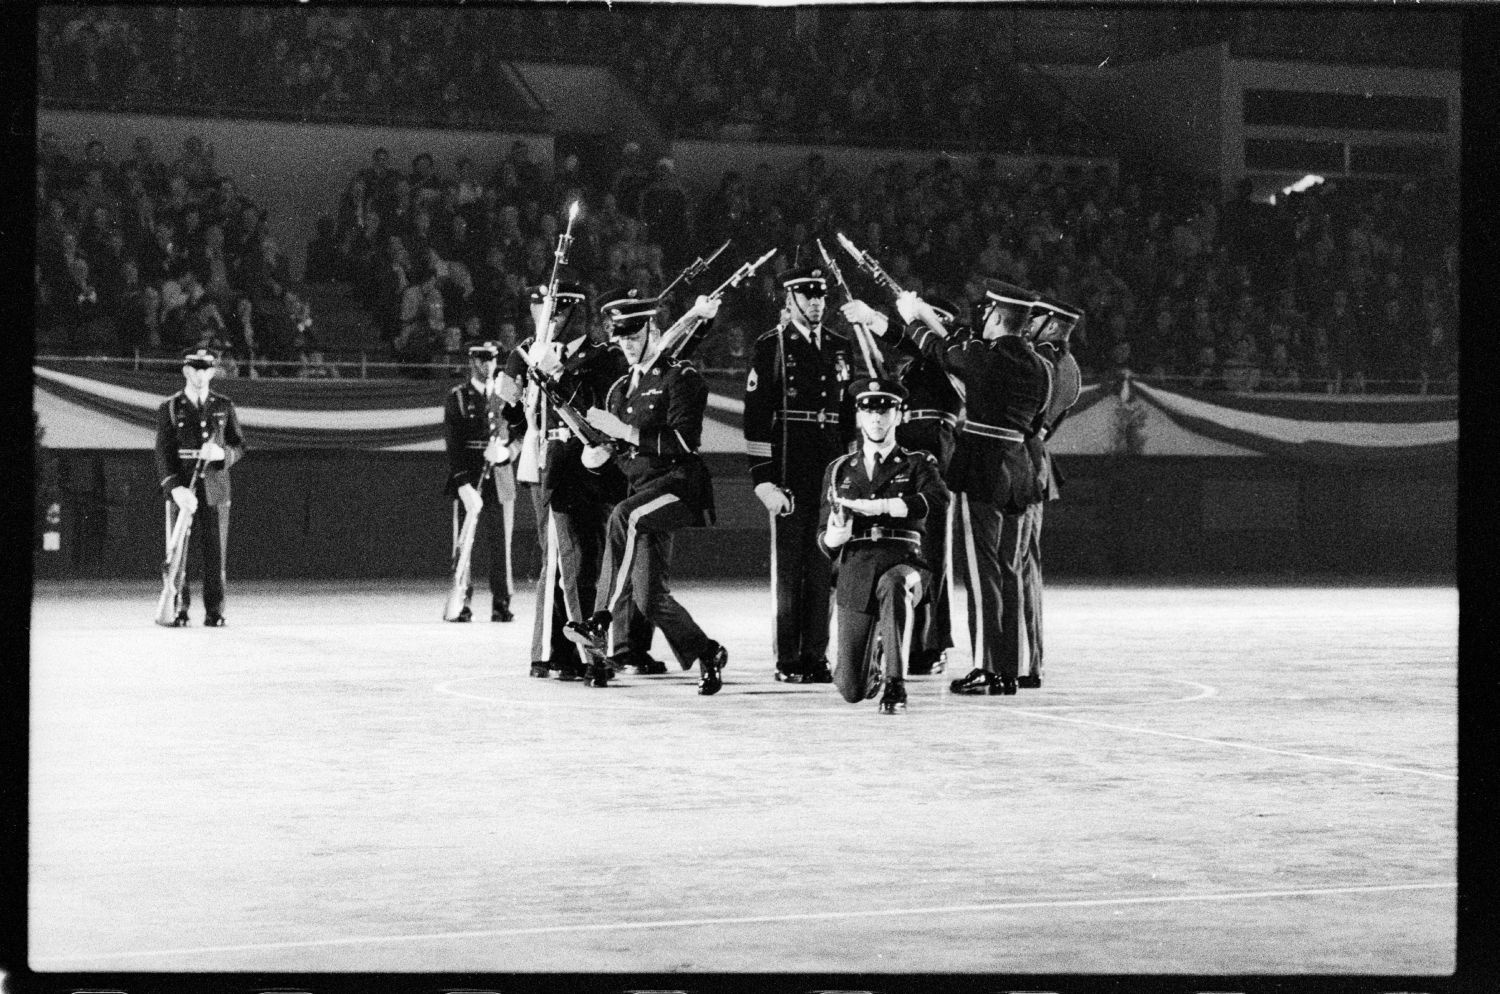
(337, 515)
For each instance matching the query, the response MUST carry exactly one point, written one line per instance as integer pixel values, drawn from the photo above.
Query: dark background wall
(329, 515)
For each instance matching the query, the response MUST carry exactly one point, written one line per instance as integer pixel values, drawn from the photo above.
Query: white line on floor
(1037, 713)
(43, 963)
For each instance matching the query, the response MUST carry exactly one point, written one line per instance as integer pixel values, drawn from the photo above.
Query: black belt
(993, 431)
(817, 417)
(927, 414)
(877, 533)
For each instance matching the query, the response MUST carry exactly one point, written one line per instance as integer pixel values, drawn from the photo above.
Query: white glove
(550, 361)
(595, 456)
(773, 497)
(496, 451)
(705, 307)
(536, 314)
(187, 501)
(472, 501)
(840, 529)
(211, 452)
(859, 312)
(907, 305)
(610, 423)
(875, 507)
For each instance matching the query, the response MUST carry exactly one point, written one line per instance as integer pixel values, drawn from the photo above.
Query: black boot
(709, 665)
(893, 701)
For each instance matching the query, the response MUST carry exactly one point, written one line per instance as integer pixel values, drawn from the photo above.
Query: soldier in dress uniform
(1005, 387)
(476, 434)
(798, 420)
(654, 414)
(571, 504)
(878, 500)
(1053, 324)
(197, 425)
(935, 408)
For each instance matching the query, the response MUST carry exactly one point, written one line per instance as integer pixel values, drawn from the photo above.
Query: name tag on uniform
(653, 392)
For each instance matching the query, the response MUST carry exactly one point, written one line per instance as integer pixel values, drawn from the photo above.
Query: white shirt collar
(198, 399)
(884, 451)
(484, 388)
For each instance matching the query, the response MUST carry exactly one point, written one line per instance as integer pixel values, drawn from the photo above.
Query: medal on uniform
(841, 367)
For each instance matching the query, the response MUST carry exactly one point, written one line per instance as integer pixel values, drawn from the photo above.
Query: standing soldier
(877, 501)
(197, 427)
(796, 423)
(935, 407)
(571, 504)
(476, 436)
(655, 417)
(1005, 387)
(1057, 324)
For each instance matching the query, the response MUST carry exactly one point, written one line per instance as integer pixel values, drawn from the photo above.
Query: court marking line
(1001, 906)
(1034, 713)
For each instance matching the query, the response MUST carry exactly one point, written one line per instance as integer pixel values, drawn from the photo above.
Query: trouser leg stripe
(976, 590)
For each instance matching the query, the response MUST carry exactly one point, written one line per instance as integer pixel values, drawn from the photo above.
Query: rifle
(462, 553)
(566, 412)
(174, 568)
(695, 269)
(874, 363)
(672, 341)
(533, 457)
(867, 262)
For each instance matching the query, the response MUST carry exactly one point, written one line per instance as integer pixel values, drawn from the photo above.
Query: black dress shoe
(213, 621)
(598, 675)
(502, 613)
(1030, 682)
(590, 632)
(792, 676)
(464, 615)
(644, 665)
(709, 666)
(928, 663)
(571, 671)
(820, 672)
(541, 670)
(979, 682)
(1007, 685)
(893, 701)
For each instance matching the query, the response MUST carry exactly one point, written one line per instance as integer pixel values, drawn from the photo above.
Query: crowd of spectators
(151, 256)
(1328, 289)
(860, 75)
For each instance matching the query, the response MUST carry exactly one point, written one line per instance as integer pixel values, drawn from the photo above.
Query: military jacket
(584, 381)
(934, 405)
(665, 404)
(181, 429)
(880, 541)
(470, 420)
(1005, 387)
(818, 418)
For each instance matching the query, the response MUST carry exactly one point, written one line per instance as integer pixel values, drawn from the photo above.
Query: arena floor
(1213, 780)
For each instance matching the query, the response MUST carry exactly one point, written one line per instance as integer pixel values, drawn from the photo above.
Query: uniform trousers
(801, 575)
(898, 592)
(1031, 589)
(210, 536)
(633, 579)
(935, 620)
(572, 543)
(496, 520)
(995, 552)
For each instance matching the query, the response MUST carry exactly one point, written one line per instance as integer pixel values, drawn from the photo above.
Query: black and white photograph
(796, 497)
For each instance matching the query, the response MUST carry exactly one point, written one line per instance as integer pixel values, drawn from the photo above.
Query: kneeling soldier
(876, 501)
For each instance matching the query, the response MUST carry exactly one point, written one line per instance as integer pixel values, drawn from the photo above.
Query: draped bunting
(90, 407)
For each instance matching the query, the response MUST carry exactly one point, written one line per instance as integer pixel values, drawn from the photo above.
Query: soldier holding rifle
(571, 504)
(797, 421)
(654, 414)
(477, 439)
(1005, 387)
(197, 439)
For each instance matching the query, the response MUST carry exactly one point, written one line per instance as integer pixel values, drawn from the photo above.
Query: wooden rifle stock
(868, 349)
(174, 568)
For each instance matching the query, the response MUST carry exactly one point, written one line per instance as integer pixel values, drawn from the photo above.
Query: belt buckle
(823, 417)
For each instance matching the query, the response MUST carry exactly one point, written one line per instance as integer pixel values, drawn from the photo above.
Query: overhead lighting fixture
(1304, 183)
